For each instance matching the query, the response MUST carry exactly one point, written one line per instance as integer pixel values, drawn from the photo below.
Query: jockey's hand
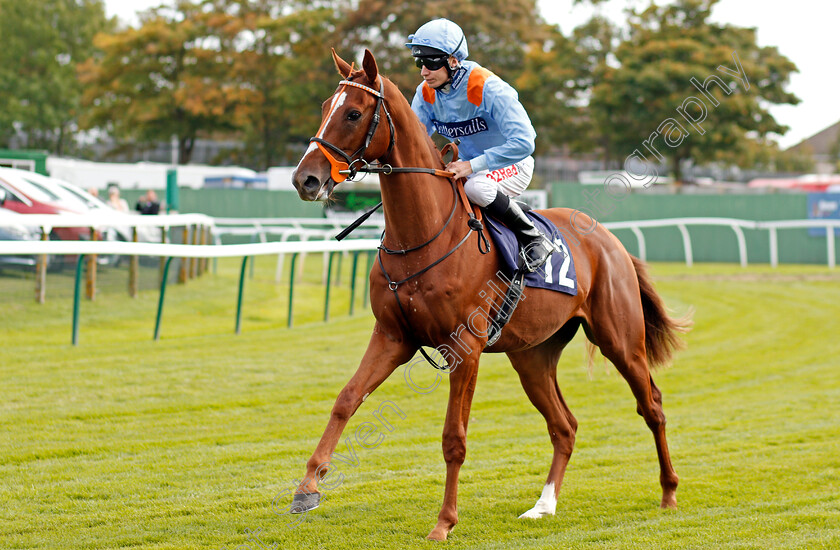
(461, 168)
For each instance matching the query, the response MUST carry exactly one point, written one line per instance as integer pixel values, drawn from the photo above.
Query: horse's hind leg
(621, 338)
(668, 477)
(537, 373)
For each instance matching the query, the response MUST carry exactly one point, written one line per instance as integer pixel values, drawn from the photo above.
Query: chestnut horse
(616, 303)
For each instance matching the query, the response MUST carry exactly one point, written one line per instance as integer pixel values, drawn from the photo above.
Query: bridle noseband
(353, 164)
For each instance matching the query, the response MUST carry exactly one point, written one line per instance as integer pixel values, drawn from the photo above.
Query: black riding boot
(536, 247)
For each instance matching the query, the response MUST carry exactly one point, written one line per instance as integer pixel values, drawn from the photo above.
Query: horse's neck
(416, 205)
(416, 208)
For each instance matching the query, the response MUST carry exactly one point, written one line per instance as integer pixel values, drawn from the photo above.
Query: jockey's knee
(480, 191)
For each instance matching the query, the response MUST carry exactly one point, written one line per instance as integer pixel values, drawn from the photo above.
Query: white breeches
(481, 186)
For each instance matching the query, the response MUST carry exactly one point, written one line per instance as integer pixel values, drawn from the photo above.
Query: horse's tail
(662, 332)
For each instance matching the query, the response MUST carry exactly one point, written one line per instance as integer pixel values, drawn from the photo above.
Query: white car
(13, 228)
(77, 199)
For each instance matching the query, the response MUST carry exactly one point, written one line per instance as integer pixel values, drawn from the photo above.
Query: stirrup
(530, 264)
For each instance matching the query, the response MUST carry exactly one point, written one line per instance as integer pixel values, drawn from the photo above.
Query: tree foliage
(165, 79)
(256, 71)
(497, 32)
(666, 47)
(42, 40)
(212, 68)
(282, 61)
(552, 86)
(509, 37)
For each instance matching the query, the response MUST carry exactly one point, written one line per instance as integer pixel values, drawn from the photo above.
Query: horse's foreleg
(384, 354)
(461, 389)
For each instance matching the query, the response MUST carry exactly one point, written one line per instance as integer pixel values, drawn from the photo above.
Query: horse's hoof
(536, 513)
(303, 502)
(440, 532)
(668, 505)
(669, 502)
(437, 534)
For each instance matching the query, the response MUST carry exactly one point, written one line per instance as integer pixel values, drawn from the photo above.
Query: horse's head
(350, 134)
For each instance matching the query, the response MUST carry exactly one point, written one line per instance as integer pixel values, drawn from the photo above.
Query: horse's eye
(354, 115)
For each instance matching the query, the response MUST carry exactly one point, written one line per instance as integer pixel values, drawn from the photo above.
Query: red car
(26, 198)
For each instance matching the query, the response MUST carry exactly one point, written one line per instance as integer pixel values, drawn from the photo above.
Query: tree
(497, 32)
(244, 68)
(651, 88)
(167, 78)
(282, 63)
(552, 86)
(42, 40)
(509, 37)
(596, 42)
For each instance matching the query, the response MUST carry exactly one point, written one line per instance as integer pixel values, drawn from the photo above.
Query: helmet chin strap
(452, 66)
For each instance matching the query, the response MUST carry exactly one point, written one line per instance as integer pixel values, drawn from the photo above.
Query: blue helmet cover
(439, 34)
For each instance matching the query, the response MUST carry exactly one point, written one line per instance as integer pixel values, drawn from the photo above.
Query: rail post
(329, 280)
(90, 288)
(133, 268)
(184, 271)
(239, 295)
(774, 247)
(41, 272)
(164, 236)
(164, 277)
(77, 292)
(689, 257)
(291, 287)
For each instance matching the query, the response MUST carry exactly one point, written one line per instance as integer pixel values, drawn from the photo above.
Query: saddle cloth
(558, 273)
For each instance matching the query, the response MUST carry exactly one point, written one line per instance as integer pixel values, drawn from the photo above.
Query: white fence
(319, 230)
(737, 227)
(182, 250)
(315, 229)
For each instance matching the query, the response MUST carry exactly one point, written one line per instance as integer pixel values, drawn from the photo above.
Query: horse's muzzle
(310, 187)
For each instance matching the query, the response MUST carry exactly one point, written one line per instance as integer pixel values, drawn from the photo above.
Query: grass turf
(122, 442)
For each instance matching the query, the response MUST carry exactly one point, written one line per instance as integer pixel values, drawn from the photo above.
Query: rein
(351, 165)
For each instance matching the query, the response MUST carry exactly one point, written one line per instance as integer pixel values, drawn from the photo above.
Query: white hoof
(546, 505)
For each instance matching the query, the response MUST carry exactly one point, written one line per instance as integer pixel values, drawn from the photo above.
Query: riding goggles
(431, 63)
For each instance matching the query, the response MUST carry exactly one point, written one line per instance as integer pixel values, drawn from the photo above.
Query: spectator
(115, 201)
(93, 191)
(148, 203)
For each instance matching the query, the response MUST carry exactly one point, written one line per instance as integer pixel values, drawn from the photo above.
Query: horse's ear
(343, 67)
(369, 65)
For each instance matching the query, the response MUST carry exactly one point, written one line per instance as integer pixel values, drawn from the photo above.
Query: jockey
(462, 100)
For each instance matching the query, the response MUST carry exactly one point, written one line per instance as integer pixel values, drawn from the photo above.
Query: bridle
(347, 169)
(352, 164)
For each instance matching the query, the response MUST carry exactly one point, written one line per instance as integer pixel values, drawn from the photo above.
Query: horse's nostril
(312, 184)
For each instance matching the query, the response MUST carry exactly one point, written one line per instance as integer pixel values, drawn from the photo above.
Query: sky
(803, 30)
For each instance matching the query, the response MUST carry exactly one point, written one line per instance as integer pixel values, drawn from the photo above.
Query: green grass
(183, 443)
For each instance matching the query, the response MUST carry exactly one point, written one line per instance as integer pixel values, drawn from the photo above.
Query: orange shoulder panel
(428, 93)
(475, 86)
